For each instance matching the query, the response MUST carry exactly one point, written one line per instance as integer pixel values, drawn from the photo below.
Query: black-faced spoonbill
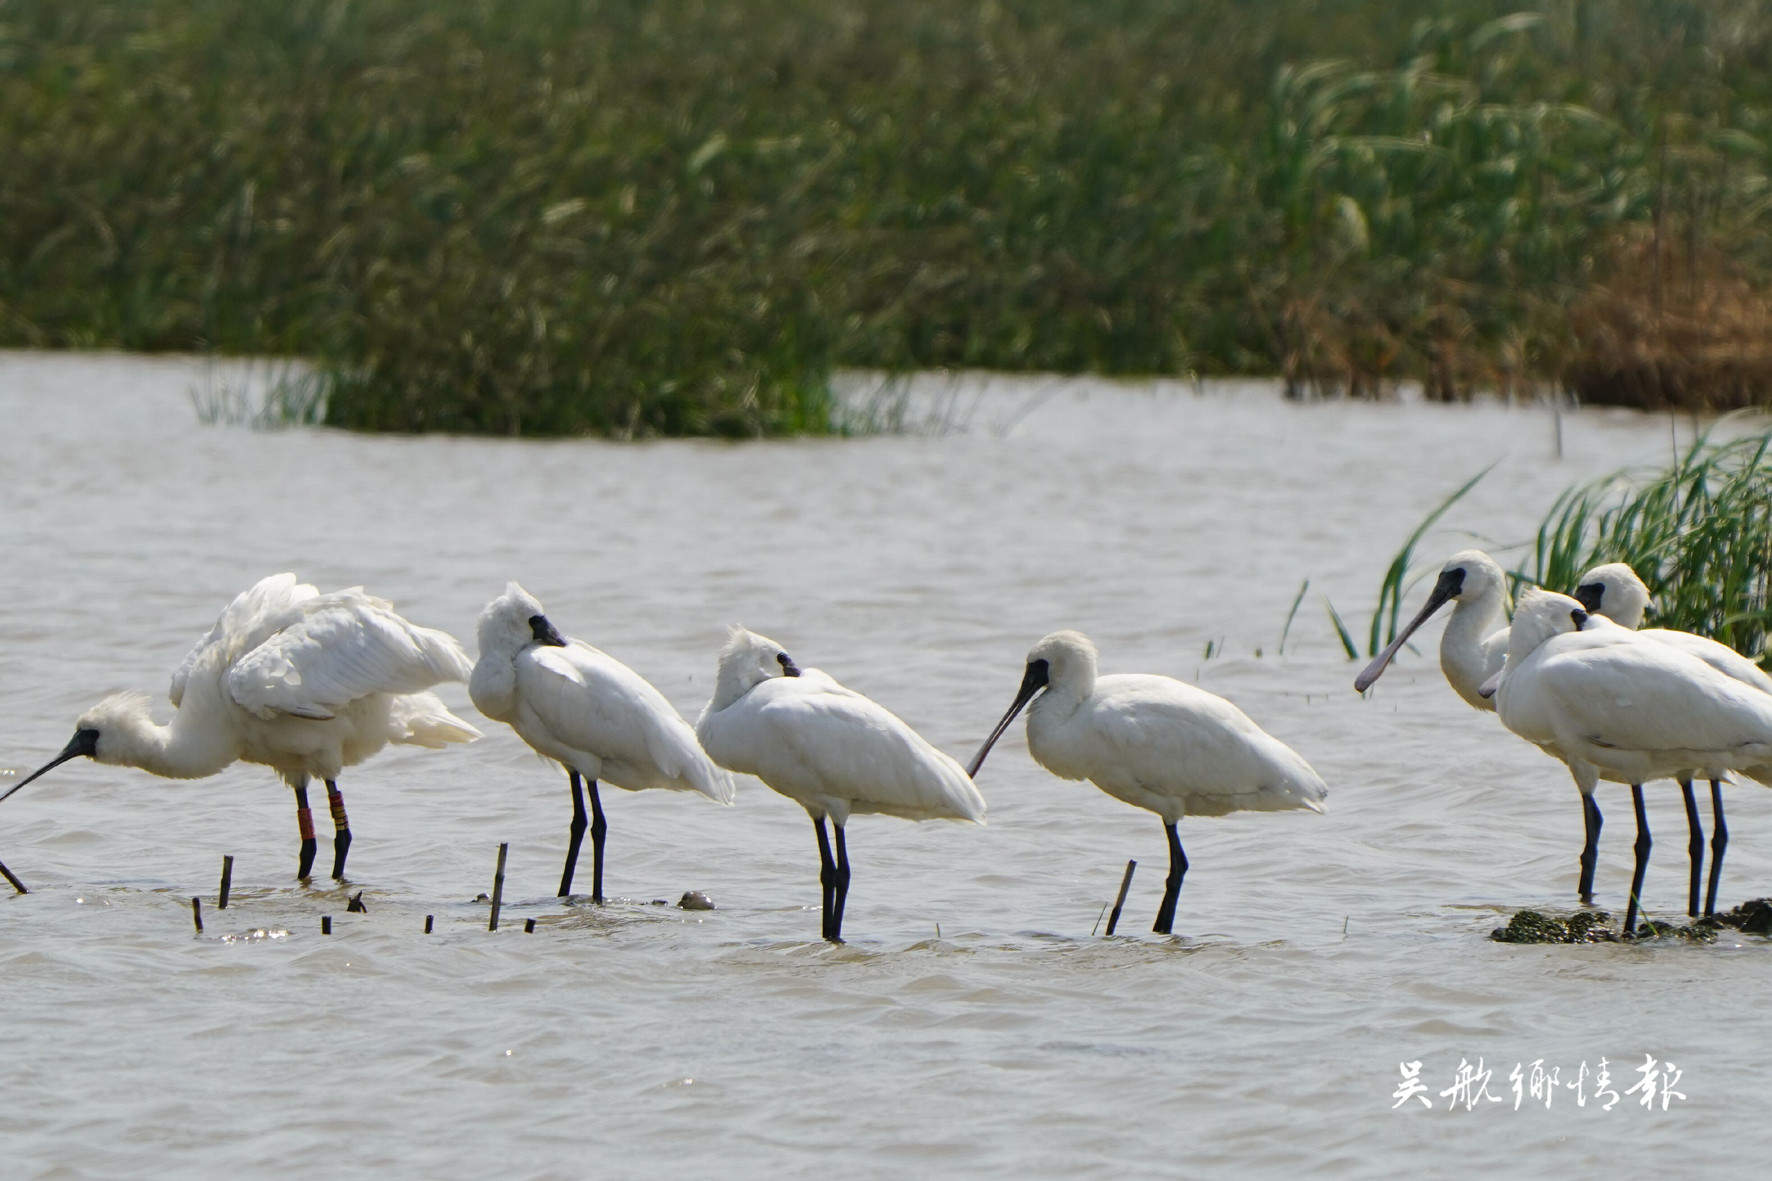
(1472, 648)
(588, 712)
(1614, 705)
(829, 749)
(1475, 639)
(304, 683)
(1615, 591)
(1156, 743)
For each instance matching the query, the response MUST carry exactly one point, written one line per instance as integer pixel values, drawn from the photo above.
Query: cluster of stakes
(309, 683)
(691, 900)
(353, 906)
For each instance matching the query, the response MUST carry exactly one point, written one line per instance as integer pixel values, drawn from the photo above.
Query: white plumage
(1615, 591)
(831, 750)
(588, 712)
(1155, 742)
(302, 682)
(1474, 645)
(1614, 705)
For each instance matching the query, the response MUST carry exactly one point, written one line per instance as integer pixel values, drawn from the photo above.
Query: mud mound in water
(1534, 926)
(1753, 917)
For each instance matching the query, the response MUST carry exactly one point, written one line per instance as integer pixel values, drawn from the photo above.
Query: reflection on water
(1317, 952)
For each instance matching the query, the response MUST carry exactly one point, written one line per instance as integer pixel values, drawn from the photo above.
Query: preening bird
(829, 749)
(302, 682)
(1155, 742)
(1615, 591)
(1614, 705)
(588, 712)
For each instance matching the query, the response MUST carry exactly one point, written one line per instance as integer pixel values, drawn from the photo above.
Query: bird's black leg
(1590, 852)
(599, 827)
(1642, 848)
(1719, 840)
(842, 891)
(577, 833)
(1171, 884)
(827, 874)
(1694, 847)
(13, 878)
(341, 830)
(304, 820)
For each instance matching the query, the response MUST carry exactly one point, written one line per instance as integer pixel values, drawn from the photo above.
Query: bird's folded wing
(1650, 697)
(1169, 733)
(345, 646)
(1719, 656)
(590, 700)
(867, 753)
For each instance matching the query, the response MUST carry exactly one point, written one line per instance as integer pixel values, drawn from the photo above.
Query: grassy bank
(562, 216)
(1698, 533)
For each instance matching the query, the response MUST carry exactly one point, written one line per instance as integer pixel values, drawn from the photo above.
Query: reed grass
(626, 218)
(1698, 533)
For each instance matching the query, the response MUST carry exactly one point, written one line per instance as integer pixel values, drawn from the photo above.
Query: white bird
(1614, 590)
(1475, 639)
(1472, 649)
(829, 749)
(588, 712)
(1154, 742)
(304, 683)
(1613, 705)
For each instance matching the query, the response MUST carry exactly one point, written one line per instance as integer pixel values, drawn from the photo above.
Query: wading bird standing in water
(1156, 743)
(1474, 644)
(588, 712)
(829, 749)
(1615, 591)
(304, 683)
(1618, 705)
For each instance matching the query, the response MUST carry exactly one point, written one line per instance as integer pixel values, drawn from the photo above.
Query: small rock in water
(1753, 917)
(695, 900)
(1532, 926)
(1756, 916)
(355, 906)
(482, 898)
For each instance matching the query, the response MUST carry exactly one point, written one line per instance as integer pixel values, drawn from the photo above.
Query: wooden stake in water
(16, 884)
(529, 926)
(325, 924)
(197, 914)
(428, 919)
(1125, 885)
(221, 902)
(498, 885)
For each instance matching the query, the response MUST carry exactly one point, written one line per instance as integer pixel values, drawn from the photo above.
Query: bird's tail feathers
(714, 782)
(421, 719)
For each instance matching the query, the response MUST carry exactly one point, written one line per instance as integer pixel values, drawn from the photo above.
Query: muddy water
(1316, 952)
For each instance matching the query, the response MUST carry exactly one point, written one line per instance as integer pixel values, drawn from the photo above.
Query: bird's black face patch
(1450, 584)
(544, 632)
(788, 667)
(1036, 677)
(1579, 616)
(1591, 595)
